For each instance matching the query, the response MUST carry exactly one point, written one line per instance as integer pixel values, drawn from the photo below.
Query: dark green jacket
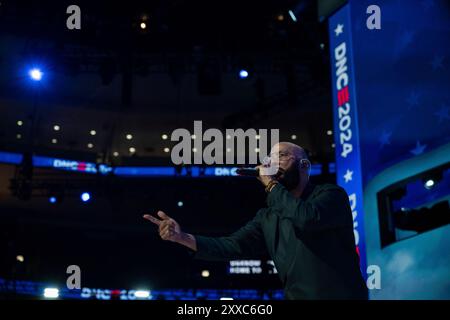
(310, 240)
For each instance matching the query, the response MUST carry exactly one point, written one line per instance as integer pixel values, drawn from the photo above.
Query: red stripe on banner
(343, 96)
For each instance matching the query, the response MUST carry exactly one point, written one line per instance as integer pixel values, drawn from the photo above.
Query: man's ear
(305, 163)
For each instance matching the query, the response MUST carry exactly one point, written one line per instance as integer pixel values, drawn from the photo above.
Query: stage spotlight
(20, 258)
(90, 145)
(205, 273)
(54, 141)
(51, 293)
(280, 17)
(132, 150)
(52, 199)
(432, 178)
(243, 74)
(429, 183)
(329, 132)
(85, 196)
(293, 137)
(143, 25)
(93, 132)
(164, 137)
(115, 154)
(56, 127)
(18, 136)
(292, 15)
(19, 123)
(166, 150)
(180, 203)
(36, 74)
(142, 294)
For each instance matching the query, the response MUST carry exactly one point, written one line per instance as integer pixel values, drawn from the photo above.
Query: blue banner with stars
(348, 159)
(403, 80)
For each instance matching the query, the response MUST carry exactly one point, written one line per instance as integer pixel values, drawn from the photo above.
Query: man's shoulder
(328, 187)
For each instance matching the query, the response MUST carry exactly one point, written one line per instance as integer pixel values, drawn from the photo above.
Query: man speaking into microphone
(306, 229)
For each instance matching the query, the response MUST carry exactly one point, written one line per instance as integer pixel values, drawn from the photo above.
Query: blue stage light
(243, 74)
(85, 196)
(36, 74)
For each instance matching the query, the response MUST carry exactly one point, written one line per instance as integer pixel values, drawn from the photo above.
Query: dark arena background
(88, 113)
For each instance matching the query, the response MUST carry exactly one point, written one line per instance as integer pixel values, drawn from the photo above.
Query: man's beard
(290, 178)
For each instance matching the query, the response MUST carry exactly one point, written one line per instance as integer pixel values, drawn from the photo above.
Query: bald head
(289, 147)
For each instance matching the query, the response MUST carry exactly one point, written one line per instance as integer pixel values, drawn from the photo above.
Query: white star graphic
(339, 29)
(385, 139)
(348, 176)
(418, 149)
(443, 113)
(413, 99)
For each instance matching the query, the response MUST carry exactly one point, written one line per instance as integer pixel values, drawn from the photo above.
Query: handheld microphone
(248, 172)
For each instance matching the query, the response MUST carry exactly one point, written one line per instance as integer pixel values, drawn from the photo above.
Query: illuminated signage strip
(89, 167)
(11, 158)
(348, 159)
(36, 289)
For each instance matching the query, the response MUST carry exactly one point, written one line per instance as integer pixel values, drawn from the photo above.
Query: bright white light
(205, 273)
(51, 293)
(20, 258)
(132, 150)
(292, 15)
(36, 74)
(180, 203)
(228, 149)
(329, 132)
(194, 149)
(333, 145)
(56, 127)
(429, 184)
(93, 132)
(115, 154)
(18, 136)
(166, 150)
(20, 123)
(142, 294)
(257, 137)
(90, 145)
(256, 149)
(143, 25)
(54, 141)
(243, 74)
(164, 137)
(85, 196)
(226, 298)
(194, 137)
(129, 136)
(293, 137)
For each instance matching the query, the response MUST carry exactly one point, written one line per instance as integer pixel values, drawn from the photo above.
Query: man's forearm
(188, 240)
